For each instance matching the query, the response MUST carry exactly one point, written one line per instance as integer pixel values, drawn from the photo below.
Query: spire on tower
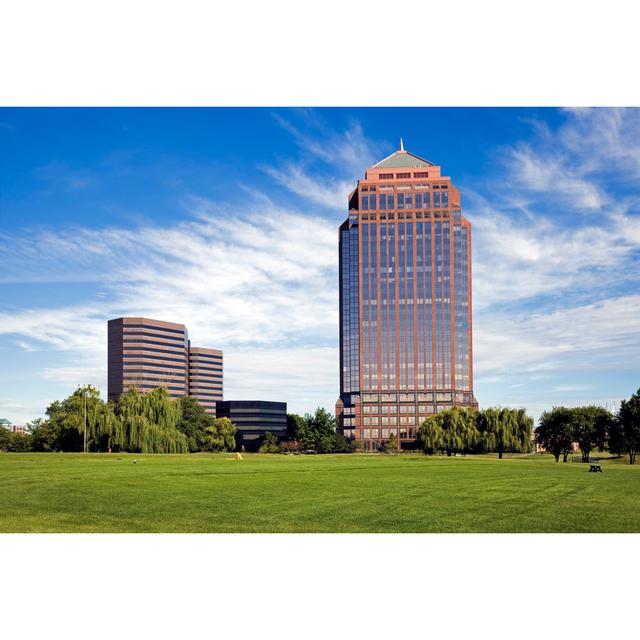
(401, 145)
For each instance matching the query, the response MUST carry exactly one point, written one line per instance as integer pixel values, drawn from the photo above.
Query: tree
(342, 444)
(192, 421)
(431, 435)
(295, 425)
(391, 445)
(14, 442)
(626, 429)
(555, 432)
(147, 423)
(498, 428)
(5, 439)
(225, 434)
(524, 430)
(42, 435)
(452, 431)
(590, 426)
(319, 431)
(270, 443)
(460, 431)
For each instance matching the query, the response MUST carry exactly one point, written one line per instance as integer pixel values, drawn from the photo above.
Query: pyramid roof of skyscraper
(402, 158)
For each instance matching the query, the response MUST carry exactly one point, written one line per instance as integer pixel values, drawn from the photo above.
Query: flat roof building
(405, 301)
(253, 418)
(14, 428)
(205, 376)
(148, 354)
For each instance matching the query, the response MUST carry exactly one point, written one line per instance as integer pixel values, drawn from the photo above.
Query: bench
(595, 467)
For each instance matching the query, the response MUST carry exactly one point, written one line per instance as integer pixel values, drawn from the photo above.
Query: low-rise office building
(253, 419)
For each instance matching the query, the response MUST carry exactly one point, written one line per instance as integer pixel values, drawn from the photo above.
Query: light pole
(84, 414)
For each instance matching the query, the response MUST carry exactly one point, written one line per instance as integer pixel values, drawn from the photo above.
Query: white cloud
(564, 388)
(343, 156)
(588, 337)
(554, 175)
(261, 286)
(519, 259)
(324, 191)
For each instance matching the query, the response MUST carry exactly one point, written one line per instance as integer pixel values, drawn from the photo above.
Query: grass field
(333, 493)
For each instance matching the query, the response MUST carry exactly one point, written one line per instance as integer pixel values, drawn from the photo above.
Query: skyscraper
(405, 301)
(205, 376)
(147, 354)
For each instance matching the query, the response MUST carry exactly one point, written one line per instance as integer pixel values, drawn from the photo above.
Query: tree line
(465, 430)
(591, 427)
(312, 433)
(140, 423)
(156, 423)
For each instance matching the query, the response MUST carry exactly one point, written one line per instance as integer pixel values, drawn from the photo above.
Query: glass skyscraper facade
(405, 301)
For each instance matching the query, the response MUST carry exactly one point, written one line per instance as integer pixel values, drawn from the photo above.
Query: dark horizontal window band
(206, 369)
(145, 335)
(149, 358)
(196, 374)
(257, 418)
(168, 370)
(158, 381)
(160, 343)
(148, 326)
(165, 371)
(154, 386)
(204, 356)
(142, 347)
(212, 396)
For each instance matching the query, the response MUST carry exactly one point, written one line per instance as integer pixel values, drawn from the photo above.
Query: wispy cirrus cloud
(59, 175)
(555, 174)
(262, 286)
(324, 191)
(556, 291)
(602, 335)
(518, 258)
(330, 162)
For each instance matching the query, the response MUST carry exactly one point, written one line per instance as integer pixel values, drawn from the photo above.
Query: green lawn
(336, 493)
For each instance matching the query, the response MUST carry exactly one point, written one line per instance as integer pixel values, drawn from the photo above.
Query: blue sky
(226, 220)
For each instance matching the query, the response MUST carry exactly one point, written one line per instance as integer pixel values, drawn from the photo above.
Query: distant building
(147, 354)
(254, 418)
(205, 376)
(14, 428)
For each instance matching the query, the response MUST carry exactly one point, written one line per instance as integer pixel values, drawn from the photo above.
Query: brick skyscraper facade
(405, 301)
(147, 354)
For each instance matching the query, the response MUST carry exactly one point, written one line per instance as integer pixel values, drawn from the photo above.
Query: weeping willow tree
(525, 430)
(460, 430)
(451, 431)
(505, 430)
(431, 434)
(146, 423)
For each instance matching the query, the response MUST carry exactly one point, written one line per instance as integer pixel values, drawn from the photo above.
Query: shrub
(269, 444)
